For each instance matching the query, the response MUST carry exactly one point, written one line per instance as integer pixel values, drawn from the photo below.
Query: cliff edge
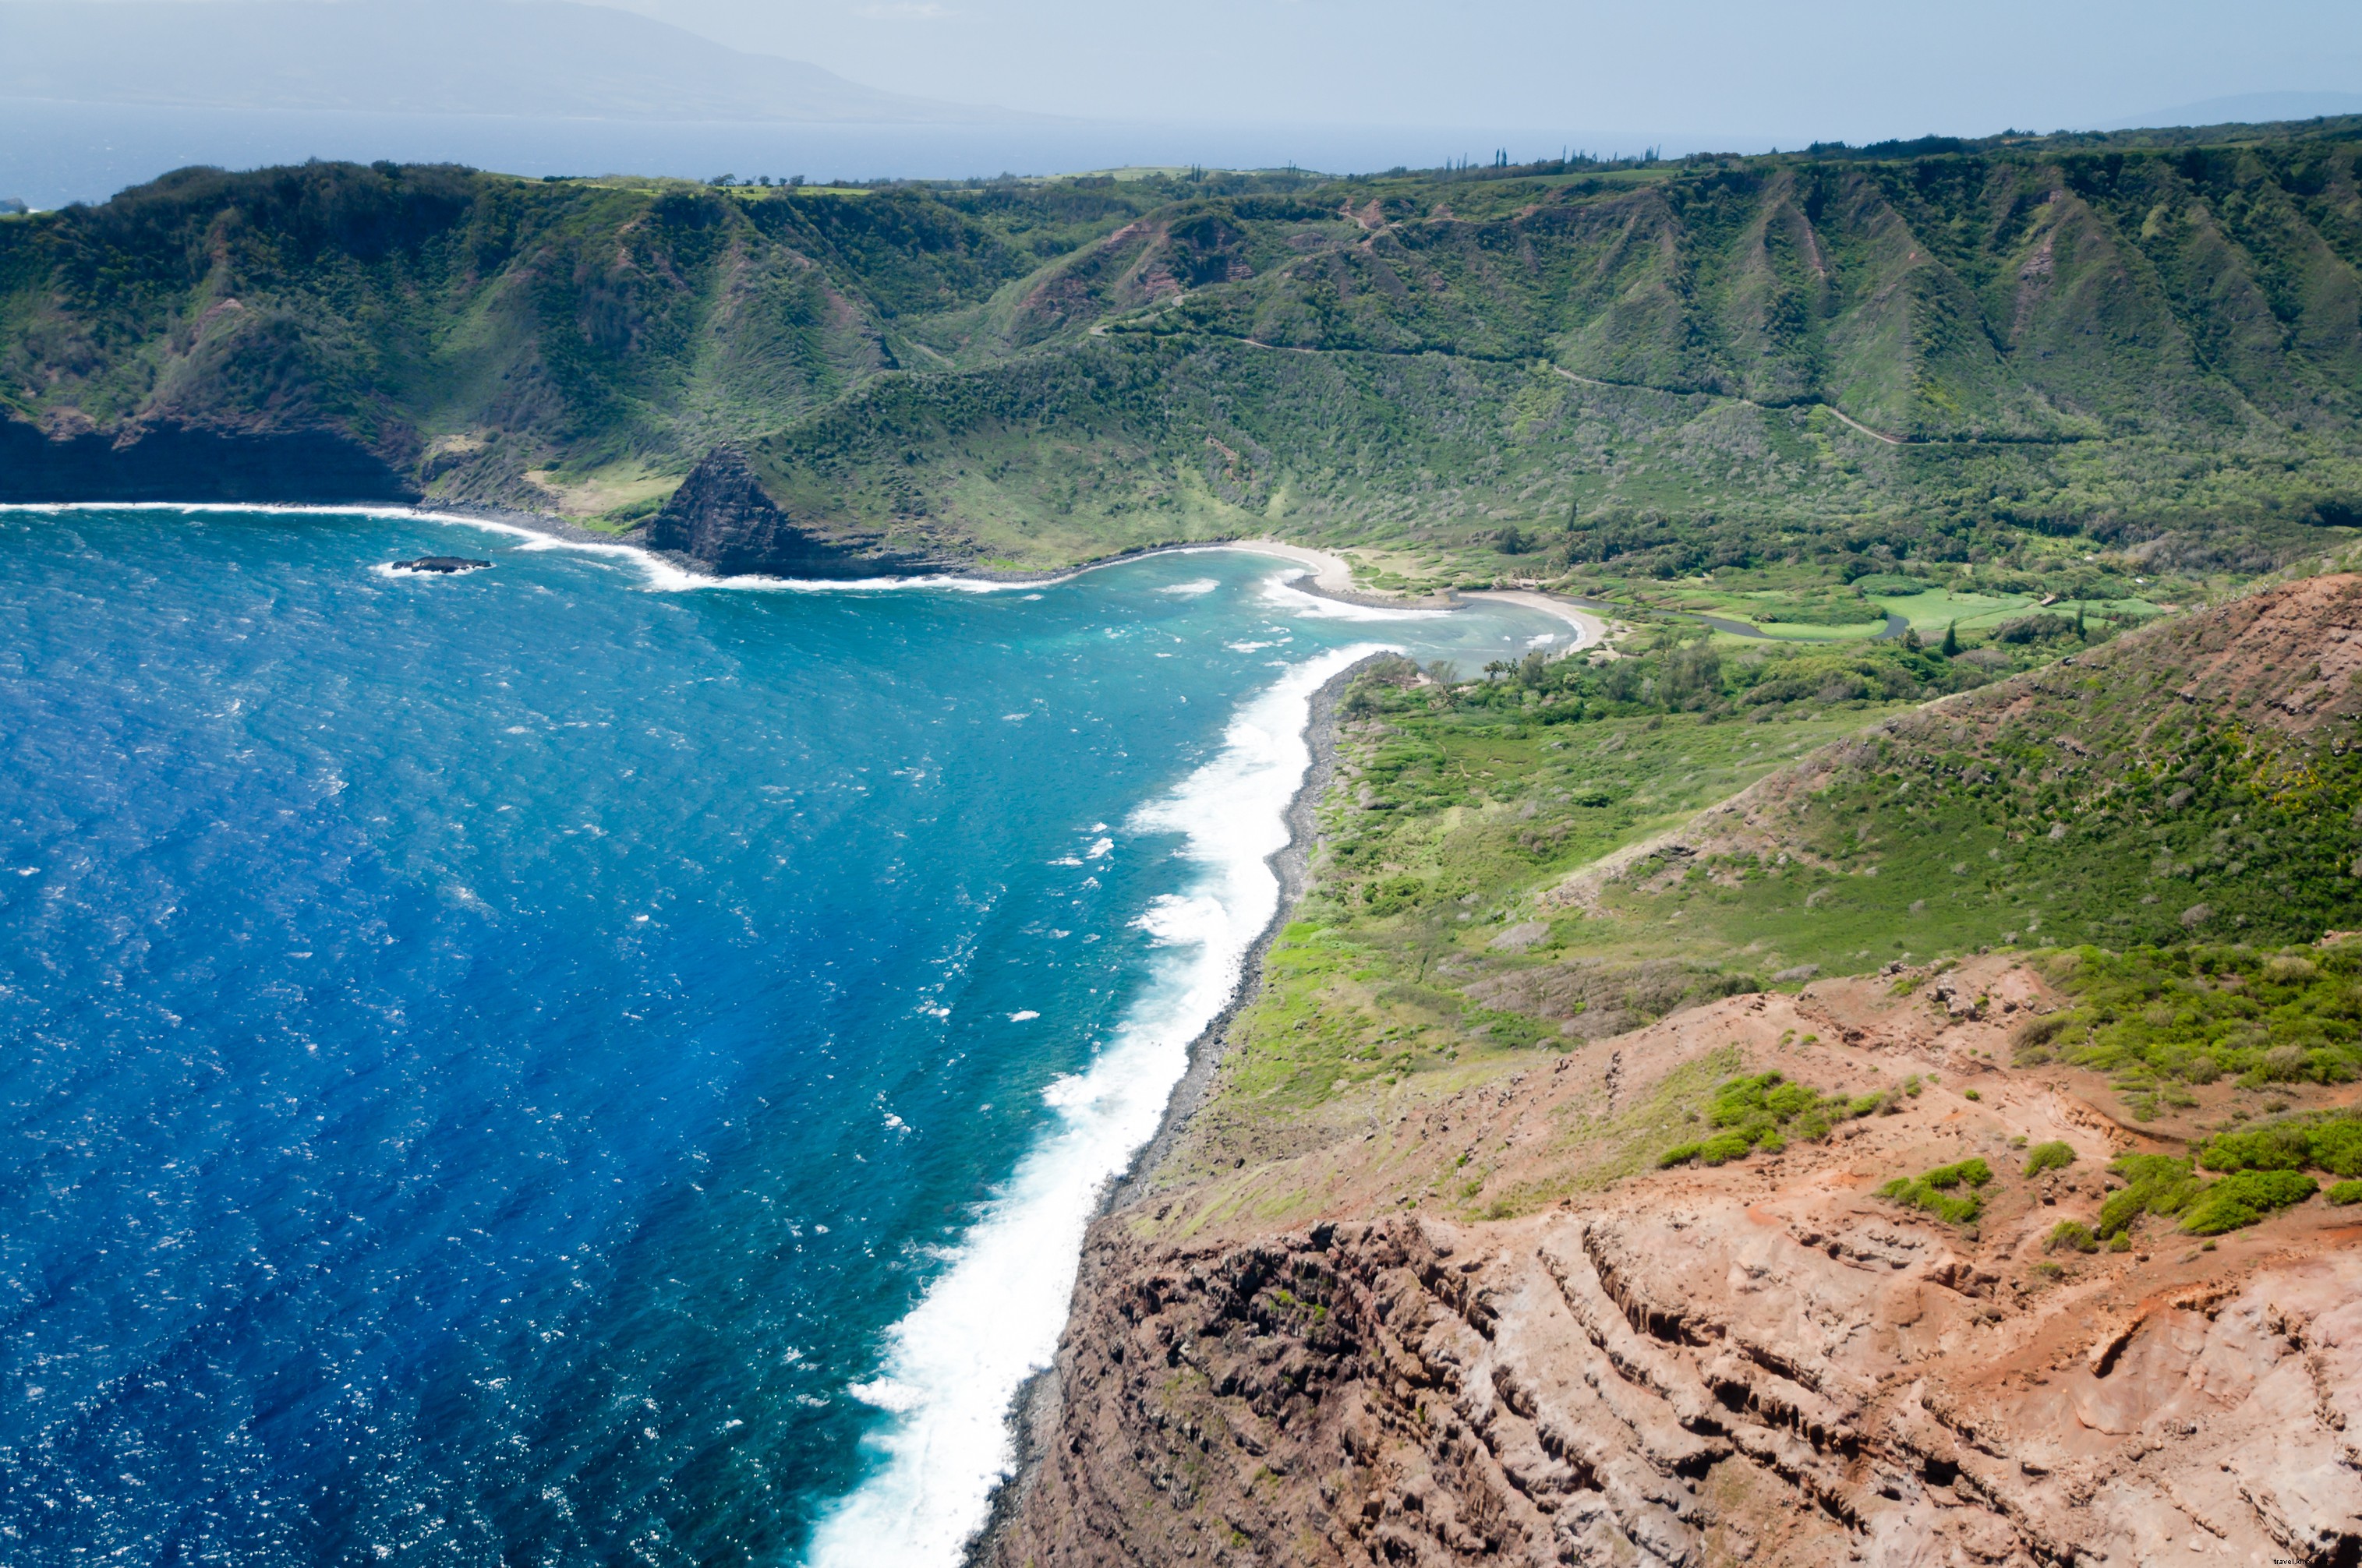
(1761, 1362)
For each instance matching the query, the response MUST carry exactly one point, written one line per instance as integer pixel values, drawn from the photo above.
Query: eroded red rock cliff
(1301, 1361)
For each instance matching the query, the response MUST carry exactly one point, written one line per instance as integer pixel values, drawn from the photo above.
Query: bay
(574, 1062)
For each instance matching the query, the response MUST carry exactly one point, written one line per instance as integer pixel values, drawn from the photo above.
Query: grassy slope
(2153, 789)
(1446, 942)
(1456, 805)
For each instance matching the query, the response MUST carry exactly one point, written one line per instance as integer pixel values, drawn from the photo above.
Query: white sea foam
(1281, 593)
(1192, 588)
(952, 1365)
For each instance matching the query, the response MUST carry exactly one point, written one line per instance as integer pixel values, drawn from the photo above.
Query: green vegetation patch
(1938, 1192)
(2071, 1235)
(2342, 1194)
(2196, 1012)
(1764, 1112)
(2244, 1198)
(2165, 1185)
(2154, 1184)
(2053, 1156)
(1685, 670)
(1833, 607)
(2330, 1141)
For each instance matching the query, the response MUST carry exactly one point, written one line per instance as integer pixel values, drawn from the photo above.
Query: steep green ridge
(571, 344)
(2006, 355)
(1640, 370)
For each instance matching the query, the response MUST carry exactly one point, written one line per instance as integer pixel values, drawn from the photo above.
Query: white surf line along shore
(1330, 573)
(954, 1363)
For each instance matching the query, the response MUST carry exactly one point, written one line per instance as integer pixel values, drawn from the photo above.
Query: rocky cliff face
(1760, 1363)
(168, 459)
(723, 518)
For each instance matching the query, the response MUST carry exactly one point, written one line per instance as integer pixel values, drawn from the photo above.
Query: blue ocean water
(569, 1063)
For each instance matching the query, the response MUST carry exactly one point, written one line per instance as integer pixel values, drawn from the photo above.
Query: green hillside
(2192, 780)
(2004, 356)
(1643, 370)
(1532, 856)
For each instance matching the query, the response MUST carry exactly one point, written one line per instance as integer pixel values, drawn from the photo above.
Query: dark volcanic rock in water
(724, 518)
(441, 563)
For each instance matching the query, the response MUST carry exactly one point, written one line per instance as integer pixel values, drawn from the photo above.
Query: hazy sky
(1840, 69)
(1752, 72)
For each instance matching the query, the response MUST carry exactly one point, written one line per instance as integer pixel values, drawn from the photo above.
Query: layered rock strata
(1765, 1362)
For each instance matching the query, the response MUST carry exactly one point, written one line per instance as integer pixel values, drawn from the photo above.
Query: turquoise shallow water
(561, 1064)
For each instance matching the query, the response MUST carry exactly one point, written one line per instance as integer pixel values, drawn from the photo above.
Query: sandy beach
(1594, 629)
(1330, 573)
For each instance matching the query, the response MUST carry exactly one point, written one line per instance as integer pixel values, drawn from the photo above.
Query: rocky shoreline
(1034, 1416)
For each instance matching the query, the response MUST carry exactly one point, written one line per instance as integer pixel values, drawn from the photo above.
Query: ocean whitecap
(992, 1317)
(1281, 594)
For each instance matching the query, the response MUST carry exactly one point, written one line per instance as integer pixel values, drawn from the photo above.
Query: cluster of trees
(1681, 671)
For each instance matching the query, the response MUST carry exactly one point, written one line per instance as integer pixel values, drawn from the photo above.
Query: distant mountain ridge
(2245, 108)
(549, 58)
(1947, 346)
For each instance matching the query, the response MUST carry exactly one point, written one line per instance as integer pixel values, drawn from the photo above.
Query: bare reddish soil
(1485, 1329)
